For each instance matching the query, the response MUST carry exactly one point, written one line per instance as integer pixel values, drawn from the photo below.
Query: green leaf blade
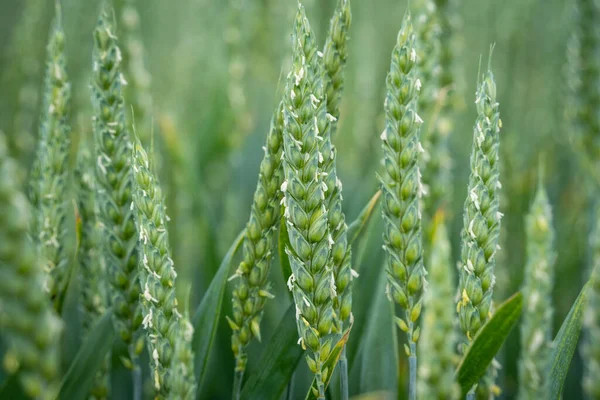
(207, 315)
(80, 377)
(564, 345)
(277, 362)
(487, 342)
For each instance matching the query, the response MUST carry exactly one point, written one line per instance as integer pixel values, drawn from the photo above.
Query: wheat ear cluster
(304, 187)
(92, 271)
(28, 322)
(590, 351)
(401, 185)
(169, 333)
(52, 164)
(334, 60)
(253, 287)
(536, 328)
(437, 343)
(481, 218)
(114, 182)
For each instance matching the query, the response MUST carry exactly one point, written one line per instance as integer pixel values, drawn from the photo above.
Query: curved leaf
(207, 315)
(357, 226)
(487, 342)
(564, 345)
(277, 362)
(80, 377)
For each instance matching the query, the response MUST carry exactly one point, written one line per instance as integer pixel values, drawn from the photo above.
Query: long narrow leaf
(79, 378)
(487, 342)
(357, 226)
(564, 345)
(207, 315)
(277, 362)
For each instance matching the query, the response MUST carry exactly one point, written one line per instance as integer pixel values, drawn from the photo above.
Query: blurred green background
(216, 68)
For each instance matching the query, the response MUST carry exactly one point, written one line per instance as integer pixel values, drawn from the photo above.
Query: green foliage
(487, 342)
(590, 351)
(565, 343)
(82, 377)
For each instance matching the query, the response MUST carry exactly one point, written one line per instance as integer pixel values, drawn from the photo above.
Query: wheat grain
(536, 327)
(305, 122)
(28, 322)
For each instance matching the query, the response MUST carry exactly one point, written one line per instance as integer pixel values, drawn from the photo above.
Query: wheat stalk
(305, 125)
(536, 327)
(169, 333)
(401, 187)
(27, 320)
(114, 179)
(51, 175)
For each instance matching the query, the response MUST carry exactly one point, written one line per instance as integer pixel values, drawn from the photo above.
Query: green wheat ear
(536, 328)
(253, 288)
(334, 61)
(49, 185)
(169, 333)
(402, 190)
(21, 79)
(29, 324)
(305, 127)
(92, 269)
(438, 340)
(584, 83)
(481, 216)
(401, 184)
(114, 182)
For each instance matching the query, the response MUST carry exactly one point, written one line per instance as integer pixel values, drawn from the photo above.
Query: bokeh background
(216, 69)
